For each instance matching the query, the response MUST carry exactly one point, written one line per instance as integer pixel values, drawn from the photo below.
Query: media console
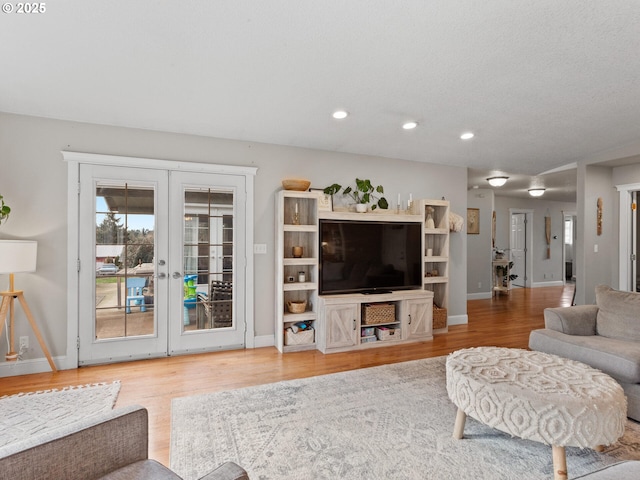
(342, 324)
(306, 319)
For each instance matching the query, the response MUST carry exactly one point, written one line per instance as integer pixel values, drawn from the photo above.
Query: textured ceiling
(542, 83)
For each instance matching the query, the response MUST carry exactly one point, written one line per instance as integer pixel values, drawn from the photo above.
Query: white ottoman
(536, 396)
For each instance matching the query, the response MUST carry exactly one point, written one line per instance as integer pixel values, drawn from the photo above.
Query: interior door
(123, 245)
(518, 248)
(207, 259)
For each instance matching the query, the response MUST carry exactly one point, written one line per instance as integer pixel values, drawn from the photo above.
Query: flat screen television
(369, 256)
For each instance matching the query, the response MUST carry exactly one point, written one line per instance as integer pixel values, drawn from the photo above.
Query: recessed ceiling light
(467, 136)
(536, 192)
(497, 181)
(340, 114)
(409, 125)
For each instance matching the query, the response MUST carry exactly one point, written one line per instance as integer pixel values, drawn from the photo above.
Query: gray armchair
(113, 446)
(605, 336)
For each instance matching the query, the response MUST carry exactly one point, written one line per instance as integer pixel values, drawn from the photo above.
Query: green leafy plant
(503, 271)
(363, 192)
(5, 210)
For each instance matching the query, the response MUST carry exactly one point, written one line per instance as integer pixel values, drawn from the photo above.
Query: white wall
(599, 267)
(34, 183)
(480, 253)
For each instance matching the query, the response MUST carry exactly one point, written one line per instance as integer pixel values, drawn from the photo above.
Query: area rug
(388, 422)
(25, 415)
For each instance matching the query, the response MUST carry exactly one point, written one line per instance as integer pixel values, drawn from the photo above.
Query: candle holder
(296, 218)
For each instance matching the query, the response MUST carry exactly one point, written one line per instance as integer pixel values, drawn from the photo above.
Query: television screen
(369, 256)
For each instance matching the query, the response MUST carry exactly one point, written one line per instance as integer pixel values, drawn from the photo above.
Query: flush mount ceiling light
(409, 125)
(467, 136)
(536, 192)
(340, 114)
(497, 181)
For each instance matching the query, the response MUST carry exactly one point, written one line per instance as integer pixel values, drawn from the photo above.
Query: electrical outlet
(24, 343)
(479, 284)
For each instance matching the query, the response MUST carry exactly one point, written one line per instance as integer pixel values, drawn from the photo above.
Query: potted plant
(4, 210)
(362, 193)
(503, 271)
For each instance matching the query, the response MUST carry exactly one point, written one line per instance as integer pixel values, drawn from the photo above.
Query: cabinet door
(341, 325)
(419, 317)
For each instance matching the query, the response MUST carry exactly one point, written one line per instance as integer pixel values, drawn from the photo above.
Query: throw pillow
(618, 314)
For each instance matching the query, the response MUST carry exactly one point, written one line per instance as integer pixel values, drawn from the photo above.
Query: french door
(161, 255)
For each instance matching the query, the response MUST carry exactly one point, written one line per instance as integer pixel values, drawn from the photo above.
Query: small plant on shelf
(502, 271)
(362, 193)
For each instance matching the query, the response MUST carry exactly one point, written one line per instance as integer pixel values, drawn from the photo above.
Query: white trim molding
(624, 234)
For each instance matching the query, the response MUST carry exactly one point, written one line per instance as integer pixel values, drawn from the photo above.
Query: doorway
(163, 265)
(520, 246)
(569, 242)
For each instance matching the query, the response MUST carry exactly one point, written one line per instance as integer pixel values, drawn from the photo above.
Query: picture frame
(473, 221)
(325, 202)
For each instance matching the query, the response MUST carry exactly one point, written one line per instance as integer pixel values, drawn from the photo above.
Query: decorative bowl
(297, 184)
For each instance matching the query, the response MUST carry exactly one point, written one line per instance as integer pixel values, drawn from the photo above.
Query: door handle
(176, 274)
(354, 324)
(162, 275)
(409, 319)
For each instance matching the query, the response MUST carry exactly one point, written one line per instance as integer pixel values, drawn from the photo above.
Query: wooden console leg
(559, 463)
(458, 428)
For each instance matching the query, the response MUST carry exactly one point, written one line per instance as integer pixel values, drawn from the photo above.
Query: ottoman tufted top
(537, 396)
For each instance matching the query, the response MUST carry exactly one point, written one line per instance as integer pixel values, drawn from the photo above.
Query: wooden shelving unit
(435, 214)
(297, 226)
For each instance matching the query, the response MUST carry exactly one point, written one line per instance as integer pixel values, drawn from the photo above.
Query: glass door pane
(207, 310)
(208, 259)
(125, 245)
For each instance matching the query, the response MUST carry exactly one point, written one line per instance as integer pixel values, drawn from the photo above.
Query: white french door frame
(625, 235)
(74, 160)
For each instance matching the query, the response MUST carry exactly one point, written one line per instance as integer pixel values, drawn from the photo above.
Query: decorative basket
(303, 337)
(439, 317)
(296, 184)
(376, 313)
(297, 306)
(384, 333)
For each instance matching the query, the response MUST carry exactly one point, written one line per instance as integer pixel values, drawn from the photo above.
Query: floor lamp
(18, 256)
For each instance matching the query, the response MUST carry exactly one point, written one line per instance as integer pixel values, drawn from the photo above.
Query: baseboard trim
(457, 319)
(479, 296)
(32, 365)
(555, 283)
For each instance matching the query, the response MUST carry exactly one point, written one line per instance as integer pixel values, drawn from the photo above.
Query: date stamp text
(24, 8)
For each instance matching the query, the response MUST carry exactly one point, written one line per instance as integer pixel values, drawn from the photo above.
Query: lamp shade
(18, 256)
(536, 192)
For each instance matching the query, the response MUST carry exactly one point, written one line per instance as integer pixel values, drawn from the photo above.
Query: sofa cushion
(618, 314)
(618, 358)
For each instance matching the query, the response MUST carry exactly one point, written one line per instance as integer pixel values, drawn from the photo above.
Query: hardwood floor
(505, 320)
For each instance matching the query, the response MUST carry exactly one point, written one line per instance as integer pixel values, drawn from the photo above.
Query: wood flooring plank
(505, 321)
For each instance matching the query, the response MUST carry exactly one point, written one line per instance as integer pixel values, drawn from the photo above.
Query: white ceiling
(541, 83)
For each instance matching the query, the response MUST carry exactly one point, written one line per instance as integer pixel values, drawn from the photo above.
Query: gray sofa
(111, 446)
(605, 336)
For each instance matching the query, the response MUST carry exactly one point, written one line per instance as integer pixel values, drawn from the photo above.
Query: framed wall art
(473, 221)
